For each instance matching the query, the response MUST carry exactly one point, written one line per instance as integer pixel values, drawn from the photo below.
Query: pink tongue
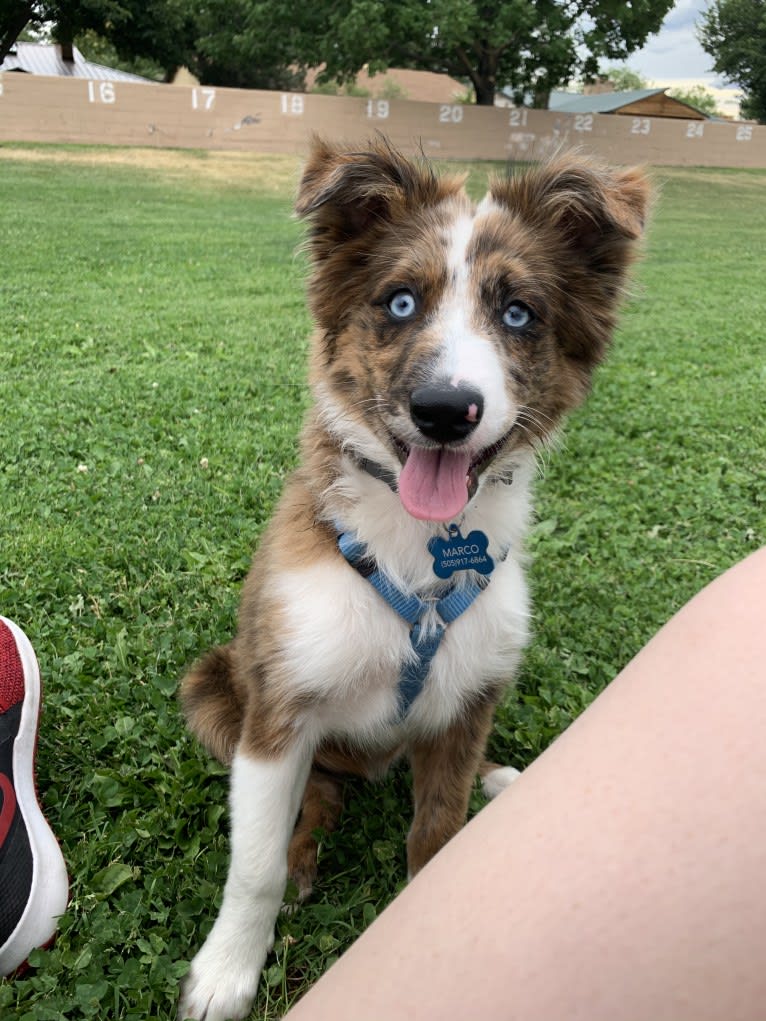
(433, 484)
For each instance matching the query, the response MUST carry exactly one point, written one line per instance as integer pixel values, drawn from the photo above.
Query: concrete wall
(37, 109)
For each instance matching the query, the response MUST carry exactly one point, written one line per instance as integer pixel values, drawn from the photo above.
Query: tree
(625, 79)
(529, 46)
(14, 15)
(156, 29)
(698, 97)
(247, 44)
(733, 32)
(100, 50)
(241, 43)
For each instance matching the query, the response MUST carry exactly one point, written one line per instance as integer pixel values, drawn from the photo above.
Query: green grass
(151, 386)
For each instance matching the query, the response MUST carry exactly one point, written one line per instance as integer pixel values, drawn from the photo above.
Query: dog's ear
(589, 218)
(598, 211)
(344, 193)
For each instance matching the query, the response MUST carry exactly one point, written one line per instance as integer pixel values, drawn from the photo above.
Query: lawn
(151, 386)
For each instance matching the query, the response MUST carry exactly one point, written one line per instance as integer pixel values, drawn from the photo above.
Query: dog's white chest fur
(348, 646)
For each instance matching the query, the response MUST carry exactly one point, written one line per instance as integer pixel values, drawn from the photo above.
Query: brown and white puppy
(451, 338)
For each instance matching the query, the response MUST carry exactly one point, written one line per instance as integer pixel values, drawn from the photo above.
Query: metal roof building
(634, 102)
(42, 59)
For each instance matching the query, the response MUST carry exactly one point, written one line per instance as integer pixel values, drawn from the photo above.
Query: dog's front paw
(219, 987)
(496, 780)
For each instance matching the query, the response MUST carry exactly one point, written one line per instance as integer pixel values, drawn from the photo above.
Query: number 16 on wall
(101, 92)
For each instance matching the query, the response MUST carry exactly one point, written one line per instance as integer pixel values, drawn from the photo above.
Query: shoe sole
(49, 893)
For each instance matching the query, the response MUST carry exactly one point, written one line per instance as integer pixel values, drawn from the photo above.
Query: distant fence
(37, 109)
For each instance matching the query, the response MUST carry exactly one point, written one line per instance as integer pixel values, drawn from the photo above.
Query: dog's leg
(443, 771)
(322, 805)
(264, 800)
(495, 778)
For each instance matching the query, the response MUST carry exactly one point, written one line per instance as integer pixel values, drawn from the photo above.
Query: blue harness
(412, 609)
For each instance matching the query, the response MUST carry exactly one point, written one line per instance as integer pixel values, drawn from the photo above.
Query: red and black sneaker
(33, 879)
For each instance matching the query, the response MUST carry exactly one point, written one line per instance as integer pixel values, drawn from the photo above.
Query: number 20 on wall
(450, 114)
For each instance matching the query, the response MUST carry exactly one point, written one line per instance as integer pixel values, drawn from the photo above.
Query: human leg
(622, 876)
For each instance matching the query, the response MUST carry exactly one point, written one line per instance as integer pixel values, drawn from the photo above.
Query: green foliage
(526, 46)
(159, 31)
(14, 16)
(341, 89)
(386, 89)
(98, 49)
(699, 97)
(326, 88)
(152, 382)
(625, 79)
(391, 89)
(236, 43)
(733, 32)
(245, 44)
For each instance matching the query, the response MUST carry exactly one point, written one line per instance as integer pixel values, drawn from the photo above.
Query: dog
(386, 609)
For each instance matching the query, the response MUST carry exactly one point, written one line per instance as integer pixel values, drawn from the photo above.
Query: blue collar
(453, 602)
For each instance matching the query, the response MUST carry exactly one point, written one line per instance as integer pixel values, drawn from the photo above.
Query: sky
(674, 57)
(675, 52)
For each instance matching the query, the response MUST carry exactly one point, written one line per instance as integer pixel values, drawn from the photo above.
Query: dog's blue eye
(517, 316)
(402, 305)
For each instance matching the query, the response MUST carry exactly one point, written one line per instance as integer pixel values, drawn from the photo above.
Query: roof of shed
(602, 102)
(42, 59)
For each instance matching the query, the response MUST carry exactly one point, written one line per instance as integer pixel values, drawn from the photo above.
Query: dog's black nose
(446, 413)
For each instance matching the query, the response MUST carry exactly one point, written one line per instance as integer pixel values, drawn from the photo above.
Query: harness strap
(411, 608)
(413, 676)
(378, 471)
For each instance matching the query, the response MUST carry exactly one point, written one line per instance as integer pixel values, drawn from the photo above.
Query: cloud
(674, 58)
(684, 15)
(675, 52)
